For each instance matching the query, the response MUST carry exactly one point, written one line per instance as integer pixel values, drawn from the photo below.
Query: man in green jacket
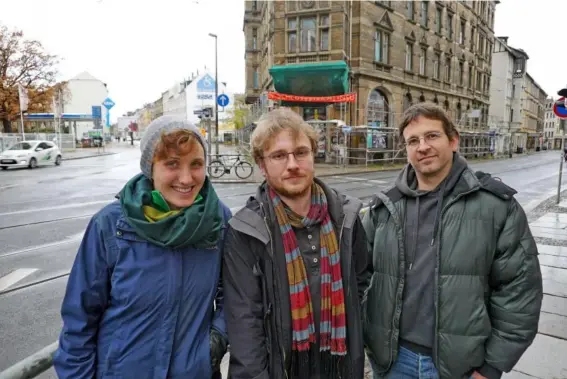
(456, 286)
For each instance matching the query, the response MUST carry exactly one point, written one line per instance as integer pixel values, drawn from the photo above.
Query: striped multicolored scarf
(333, 320)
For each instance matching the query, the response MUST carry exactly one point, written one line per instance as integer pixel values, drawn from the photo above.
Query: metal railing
(42, 361)
(33, 365)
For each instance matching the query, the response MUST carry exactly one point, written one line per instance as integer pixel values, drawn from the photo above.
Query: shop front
(316, 91)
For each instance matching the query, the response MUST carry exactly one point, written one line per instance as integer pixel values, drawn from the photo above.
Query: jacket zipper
(272, 251)
(401, 244)
(438, 237)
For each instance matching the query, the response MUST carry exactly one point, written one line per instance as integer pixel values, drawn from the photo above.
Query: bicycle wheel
(243, 170)
(216, 169)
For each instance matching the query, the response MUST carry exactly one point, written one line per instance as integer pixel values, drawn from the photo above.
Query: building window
(422, 60)
(462, 32)
(292, 35)
(381, 42)
(407, 101)
(411, 10)
(449, 25)
(471, 72)
(409, 56)
(254, 5)
(461, 73)
(473, 31)
(254, 38)
(436, 66)
(518, 66)
(438, 19)
(478, 81)
(448, 69)
(424, 9)
(324, 32)
(308, 34)
(459, 113)
(378, 110)
(256, 79)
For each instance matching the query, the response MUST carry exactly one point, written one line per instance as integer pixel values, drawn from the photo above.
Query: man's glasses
(429, 138)
(281, 157)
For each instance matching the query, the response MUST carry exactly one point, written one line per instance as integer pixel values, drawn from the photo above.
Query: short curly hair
(273, 122)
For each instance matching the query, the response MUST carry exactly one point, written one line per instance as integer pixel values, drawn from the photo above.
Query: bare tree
(24, 62)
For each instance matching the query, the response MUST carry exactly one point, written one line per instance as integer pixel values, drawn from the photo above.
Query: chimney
(505, 39)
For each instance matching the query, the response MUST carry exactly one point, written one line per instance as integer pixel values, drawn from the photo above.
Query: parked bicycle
(219, 166)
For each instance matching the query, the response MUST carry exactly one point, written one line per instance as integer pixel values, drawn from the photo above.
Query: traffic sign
(206, 84)
(108, 103)
(96, 112)
(559, 108)
(223, 100)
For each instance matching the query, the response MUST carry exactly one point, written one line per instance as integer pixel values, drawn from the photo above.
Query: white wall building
(174, 101)
(84, 92)
(200, 93)
(550, 123)
(509, 66)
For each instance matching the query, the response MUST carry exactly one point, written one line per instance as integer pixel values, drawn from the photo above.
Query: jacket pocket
(267, 306)
(376, 335)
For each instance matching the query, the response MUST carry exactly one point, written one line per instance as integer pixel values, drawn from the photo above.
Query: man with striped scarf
(295, 266)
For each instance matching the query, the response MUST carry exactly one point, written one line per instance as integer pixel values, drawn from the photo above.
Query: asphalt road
(43, 213)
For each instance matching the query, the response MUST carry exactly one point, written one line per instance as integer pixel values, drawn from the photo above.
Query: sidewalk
(547, 357)
(93, 152)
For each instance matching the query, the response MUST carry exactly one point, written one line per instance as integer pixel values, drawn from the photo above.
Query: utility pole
(216, 96)
(562, 127)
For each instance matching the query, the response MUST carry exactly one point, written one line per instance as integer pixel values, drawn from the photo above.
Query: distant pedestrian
(457, 288)
(144, 298)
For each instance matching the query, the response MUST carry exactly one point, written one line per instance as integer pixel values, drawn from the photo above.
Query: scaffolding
(378, 142)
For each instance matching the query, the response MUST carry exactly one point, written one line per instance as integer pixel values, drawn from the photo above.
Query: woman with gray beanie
(143, 298)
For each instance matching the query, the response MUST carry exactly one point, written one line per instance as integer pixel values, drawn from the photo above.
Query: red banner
(346, 98)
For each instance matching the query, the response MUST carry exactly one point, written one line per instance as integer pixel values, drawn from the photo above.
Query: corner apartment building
(390, 53)
(550, 125)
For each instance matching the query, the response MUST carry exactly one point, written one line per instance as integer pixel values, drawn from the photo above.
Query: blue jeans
(410, 365)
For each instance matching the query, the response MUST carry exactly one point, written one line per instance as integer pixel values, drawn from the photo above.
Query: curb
(342, 173)
(88, 156)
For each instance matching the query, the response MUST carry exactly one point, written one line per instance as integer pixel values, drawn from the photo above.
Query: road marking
(362, 180)
(14, 277)
(63, 206)
(70, 239)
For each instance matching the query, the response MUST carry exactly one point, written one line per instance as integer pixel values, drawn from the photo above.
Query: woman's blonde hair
(272, 123)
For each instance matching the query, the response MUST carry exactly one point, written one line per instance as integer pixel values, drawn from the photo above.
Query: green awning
(311, 79)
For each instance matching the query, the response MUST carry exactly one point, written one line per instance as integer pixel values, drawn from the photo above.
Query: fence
(64, 141)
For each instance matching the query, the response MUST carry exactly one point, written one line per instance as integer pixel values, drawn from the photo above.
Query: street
(43, 213)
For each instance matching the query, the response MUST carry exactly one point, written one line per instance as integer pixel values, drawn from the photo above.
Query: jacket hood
(407, 180)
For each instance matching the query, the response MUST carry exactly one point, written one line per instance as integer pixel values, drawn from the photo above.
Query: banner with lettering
(346, 98)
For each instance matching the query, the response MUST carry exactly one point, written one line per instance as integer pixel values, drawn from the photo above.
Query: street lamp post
(216, 97)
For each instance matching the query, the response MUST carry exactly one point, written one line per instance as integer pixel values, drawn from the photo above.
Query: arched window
(459, 112)
(436, 100)
(422, 99)
(378, 109)
(407, 101)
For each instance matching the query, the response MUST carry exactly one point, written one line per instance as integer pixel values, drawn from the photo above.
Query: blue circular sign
(559, 108)
(223, 100)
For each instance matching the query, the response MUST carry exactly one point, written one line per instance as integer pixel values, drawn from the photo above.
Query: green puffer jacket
(488, 280)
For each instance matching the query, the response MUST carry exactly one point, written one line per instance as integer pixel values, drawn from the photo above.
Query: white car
(30, 154)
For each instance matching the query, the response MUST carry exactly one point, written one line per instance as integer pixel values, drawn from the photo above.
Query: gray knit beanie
(164, 124)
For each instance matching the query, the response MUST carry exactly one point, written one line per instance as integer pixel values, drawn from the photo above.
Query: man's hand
(476, 375)
(218, 349)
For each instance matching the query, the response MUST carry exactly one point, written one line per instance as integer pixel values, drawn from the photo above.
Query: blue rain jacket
(134, 310)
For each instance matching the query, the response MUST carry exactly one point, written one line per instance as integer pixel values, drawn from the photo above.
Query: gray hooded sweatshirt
(423, 215)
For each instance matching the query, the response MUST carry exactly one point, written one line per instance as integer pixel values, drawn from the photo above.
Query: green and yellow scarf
(148, 213)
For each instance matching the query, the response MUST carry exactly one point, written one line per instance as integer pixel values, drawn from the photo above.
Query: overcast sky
(140, 48)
